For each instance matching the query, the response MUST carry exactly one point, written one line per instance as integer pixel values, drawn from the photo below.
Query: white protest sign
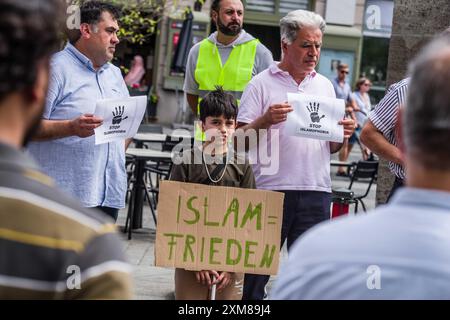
(315, 117)
(121, 118)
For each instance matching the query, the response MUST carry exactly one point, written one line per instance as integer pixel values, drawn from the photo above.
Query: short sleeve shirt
(95, 174)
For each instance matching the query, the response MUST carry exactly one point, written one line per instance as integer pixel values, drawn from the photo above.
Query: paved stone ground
(157, 283)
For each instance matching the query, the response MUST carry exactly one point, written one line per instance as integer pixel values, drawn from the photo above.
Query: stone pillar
(415, 22)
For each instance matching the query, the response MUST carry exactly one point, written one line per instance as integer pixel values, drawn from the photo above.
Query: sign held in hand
(121, 118)
(203, 227)
(315, 117)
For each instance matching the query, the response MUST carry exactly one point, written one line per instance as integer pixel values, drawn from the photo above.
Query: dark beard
(227, 30)
(31, 131)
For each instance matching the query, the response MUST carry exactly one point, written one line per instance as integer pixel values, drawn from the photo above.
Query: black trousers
(398, 183)
(301, 211)
(112, 212)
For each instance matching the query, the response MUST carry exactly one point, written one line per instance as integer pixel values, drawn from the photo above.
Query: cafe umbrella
(179, 61)
(182, 50)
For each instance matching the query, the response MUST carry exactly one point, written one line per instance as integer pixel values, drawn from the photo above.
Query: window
(274, 7)
(289, 5)
(374, 64)
(266, 6)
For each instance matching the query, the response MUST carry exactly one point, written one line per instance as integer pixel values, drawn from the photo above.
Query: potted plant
(152, 104)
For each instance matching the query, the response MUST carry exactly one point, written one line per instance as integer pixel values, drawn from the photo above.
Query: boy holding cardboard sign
(214, 163)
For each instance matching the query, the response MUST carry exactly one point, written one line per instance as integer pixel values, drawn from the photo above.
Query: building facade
(349, 23)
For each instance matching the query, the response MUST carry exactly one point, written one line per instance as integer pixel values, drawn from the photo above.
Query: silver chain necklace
(207, 171)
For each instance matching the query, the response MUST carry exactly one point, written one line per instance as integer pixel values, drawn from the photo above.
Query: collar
(422, 198)
(337, 80)
(232, 44)
(13, 159)
(274, 69)
(85, 61)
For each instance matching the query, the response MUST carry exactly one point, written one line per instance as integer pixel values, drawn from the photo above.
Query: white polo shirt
(299, 163)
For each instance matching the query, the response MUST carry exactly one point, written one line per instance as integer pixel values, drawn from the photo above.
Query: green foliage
(139, 17)
(154, 98)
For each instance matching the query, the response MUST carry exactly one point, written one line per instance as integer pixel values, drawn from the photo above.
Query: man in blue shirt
(401, 250)
(81, 74)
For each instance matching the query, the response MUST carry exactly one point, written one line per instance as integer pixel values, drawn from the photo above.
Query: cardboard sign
(315, 117)
(203, 227)
(121, 118)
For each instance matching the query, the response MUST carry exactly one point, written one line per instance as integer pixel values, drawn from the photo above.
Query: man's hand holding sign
(84, 125)
(278, 113)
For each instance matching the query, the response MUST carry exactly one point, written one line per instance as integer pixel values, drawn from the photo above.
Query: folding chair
(161, 168)
(129, 166)
(364, 170)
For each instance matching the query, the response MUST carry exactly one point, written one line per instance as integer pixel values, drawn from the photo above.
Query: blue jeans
(301, 211)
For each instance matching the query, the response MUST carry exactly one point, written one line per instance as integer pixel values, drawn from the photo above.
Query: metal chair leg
(363, 205)
(130, 226)
(150, 204)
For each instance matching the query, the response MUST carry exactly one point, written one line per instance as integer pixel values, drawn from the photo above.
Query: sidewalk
(157, 283)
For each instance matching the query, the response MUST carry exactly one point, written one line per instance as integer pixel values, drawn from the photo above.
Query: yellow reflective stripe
(38, 176)
(108, 228)
(42, 241)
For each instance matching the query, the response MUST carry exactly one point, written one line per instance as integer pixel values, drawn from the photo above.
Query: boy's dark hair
(217, 103)
(29, 35)
(90, 13)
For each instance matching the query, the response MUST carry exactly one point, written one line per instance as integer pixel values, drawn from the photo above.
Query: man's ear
(38, 91)
(214, 15)
(284, 46)
(85, 30)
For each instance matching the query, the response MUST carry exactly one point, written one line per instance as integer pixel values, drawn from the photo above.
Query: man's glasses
(343, 71)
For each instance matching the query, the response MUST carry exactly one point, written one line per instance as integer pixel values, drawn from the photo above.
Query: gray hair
(427, 114)
(296, 20)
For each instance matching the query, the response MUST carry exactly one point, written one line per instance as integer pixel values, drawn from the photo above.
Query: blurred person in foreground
(379, 133)
(50, 247)
(401, 250)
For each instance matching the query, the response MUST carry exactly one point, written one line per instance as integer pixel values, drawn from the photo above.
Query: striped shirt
(384, 118)
(51, 247)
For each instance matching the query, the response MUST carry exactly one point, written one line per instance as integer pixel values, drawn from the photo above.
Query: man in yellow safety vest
(229, 57)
